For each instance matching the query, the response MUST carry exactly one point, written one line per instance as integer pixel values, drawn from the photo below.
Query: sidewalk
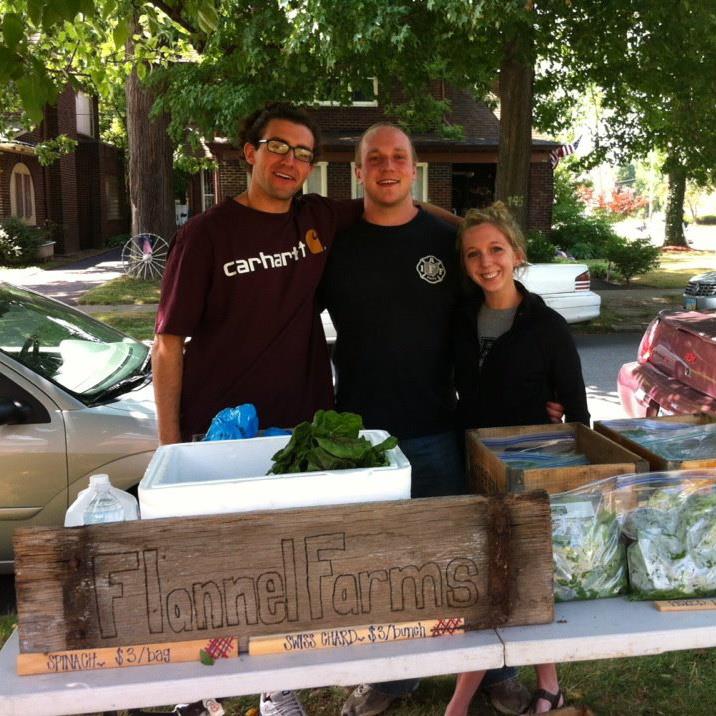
(67, 283)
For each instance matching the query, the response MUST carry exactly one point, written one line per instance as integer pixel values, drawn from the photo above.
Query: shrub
(18, 241)
(540, 250)
(584, 251)
(632, 258)
(708, 219)
(585, 234)
(117, 240)
(600, 269)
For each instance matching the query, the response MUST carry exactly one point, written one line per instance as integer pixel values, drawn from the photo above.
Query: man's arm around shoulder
(439, 213)
(167, 369)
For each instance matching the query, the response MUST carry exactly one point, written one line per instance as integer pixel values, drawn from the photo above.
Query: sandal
(555, 701)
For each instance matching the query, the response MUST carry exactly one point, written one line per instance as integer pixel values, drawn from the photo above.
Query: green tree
(654, 63)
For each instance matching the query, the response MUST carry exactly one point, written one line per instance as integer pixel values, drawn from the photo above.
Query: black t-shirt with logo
(391, 292)
(242, 283)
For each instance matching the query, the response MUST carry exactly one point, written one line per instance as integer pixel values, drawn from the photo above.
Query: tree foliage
(654, 64)
(213, 61)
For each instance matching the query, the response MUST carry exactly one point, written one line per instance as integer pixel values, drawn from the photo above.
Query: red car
(675, 370)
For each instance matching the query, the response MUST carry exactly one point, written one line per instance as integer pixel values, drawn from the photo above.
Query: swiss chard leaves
(330, 442)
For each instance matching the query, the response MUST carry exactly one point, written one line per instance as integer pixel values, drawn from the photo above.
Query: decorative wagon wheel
(144, 256)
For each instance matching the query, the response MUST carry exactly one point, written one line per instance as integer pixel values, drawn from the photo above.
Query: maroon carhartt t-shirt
(242, 284)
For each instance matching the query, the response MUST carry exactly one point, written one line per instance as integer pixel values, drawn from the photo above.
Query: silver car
(700, 292)
(75, 400)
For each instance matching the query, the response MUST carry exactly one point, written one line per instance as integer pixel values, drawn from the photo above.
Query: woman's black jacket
(534, 362)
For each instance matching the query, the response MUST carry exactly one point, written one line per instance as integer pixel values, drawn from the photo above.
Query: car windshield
(88, 359)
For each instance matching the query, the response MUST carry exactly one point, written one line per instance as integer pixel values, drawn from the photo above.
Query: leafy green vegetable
(589, 561)
(674, 546)
(330, 442)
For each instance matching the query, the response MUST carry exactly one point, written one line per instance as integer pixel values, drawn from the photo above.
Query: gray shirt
(491, 324)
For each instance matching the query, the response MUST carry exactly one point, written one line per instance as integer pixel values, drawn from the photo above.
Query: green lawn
(122, 290)
(673, 684)
(137, 325)
(676, 268)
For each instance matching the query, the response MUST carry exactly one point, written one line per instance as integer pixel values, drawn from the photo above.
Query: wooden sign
(300, 641)
(114, 657)
(487, 560)
(685, 605)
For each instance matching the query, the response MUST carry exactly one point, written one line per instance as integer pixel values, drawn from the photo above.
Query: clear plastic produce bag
(669, 522)
(672, 441)
(555, 449)
(589, 558)
(665, 523)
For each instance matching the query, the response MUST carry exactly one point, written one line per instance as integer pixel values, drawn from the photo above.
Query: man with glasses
(240, 281)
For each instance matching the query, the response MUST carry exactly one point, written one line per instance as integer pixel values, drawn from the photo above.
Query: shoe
(205, 707)
(366, 701)
(509, 696)
(555, 701)
(280, 703)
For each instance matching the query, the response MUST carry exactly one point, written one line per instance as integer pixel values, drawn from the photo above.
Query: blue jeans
(437, 464)
(437, 469)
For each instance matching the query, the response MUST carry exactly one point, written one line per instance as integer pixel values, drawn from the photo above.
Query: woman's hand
(555, 411)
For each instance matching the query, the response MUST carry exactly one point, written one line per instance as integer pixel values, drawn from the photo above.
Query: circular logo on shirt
(313, 242)
(431, 269)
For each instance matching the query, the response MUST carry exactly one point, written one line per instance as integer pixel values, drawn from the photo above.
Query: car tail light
(582, 282)
(647, 342)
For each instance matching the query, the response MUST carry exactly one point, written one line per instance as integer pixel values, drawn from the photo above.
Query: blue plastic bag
(234, 423)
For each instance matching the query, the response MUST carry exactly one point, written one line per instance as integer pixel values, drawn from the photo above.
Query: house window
(22, 194)
(317, 182)
(111, 195)
(208, 192)
(364, 97)
(84, 111)
(356, 186)
(420, 185)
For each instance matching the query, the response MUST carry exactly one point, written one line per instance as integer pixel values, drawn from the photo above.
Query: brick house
(454, 174)
(82, 195)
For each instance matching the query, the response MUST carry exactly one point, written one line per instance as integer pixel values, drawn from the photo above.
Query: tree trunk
(674, 225)
(513, 159)
(151, 192)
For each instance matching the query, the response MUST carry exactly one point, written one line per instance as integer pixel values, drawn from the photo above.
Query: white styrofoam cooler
(230, 476)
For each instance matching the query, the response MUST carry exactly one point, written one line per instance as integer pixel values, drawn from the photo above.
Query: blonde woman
(514, 357)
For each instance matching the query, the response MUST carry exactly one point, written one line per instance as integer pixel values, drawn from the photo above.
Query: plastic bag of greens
(669, 521)
(527, 452)
(589, 560)
(670, 440)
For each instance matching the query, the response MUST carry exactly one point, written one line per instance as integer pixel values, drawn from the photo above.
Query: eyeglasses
(278, 146)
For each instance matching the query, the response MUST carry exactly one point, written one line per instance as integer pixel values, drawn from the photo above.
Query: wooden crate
(489, 475)
(657, 462)
(487, 560)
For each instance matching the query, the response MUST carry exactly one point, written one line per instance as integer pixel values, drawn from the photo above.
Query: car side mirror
(13, 411)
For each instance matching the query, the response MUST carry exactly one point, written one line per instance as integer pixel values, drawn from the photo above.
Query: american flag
(564, 151)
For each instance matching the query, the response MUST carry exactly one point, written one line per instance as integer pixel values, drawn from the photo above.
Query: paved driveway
(67, 283)
(602, 355)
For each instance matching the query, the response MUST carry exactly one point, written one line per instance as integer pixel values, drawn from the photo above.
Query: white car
(564, 288)
(75, 400)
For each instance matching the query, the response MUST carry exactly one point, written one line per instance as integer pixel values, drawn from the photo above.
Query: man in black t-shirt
(391, 287)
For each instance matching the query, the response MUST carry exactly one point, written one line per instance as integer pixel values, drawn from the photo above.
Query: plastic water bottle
(75, 515)
(103, 507)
